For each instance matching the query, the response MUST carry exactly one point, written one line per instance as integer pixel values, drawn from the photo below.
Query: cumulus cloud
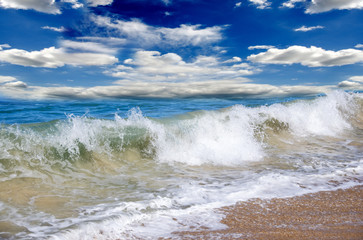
(291, 3)
(55, 29)
(15, 84)
(261, 4)
(4, 79)
(307, 29)
(51, 6)
(191, 35)
(318, 6)
(95, 3)
(11, 82)
(349, 84)
(135, 88)
(238, 4)
(356, 46)
(184, 35)
(260, 47)
(356, 79)
(45, 6)
(354, 82)
(312, 56)
(153, 75)
(54, 57)
(233, 60)
(2, 46)
(153, 66)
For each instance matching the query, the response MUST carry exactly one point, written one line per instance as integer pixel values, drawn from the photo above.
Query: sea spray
(220, 138)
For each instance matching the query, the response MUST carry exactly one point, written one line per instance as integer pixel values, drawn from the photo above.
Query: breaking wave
(231, 136)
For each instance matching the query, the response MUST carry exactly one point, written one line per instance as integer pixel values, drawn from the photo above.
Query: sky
(95, 49)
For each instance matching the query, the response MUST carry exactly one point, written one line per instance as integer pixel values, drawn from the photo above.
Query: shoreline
(322, 215)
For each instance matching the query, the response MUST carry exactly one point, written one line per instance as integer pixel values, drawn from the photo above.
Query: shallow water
(145, 168)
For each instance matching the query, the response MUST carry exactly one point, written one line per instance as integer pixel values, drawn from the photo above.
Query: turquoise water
(18, 111)
(145, 168)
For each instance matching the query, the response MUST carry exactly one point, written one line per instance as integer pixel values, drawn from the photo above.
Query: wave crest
(232, 136)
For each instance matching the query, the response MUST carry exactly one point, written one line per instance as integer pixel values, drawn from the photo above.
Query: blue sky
(56, 49)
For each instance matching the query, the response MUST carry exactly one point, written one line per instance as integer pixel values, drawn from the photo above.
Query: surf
(124, 176)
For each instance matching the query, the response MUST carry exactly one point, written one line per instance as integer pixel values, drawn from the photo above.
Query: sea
(147, 168)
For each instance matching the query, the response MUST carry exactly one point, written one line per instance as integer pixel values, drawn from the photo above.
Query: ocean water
(143, 169)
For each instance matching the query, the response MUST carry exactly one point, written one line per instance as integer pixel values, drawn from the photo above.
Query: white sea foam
(167, 218)
(221, 138)
(326, 116)
(229, 137)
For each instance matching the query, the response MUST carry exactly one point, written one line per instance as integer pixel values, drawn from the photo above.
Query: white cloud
(95, 3)
(292, 3)
(356, 79)
(261, 4)
(260, 47)
(233, 60)
(15, 84)
(50, 6)
(87, 46)
(135, 30)
(238, 4)
(75, 4)
(312, 57)
(307, 29)
(4, 79)
(191, 35)
(153, 66)
(318, 6)
(135, 88)
(354, 82)
(359, 46)
(2, 46)
(60, 29)
(45, 6)
(349, 84)
(151, 74)
(11, 82)
(54, 57)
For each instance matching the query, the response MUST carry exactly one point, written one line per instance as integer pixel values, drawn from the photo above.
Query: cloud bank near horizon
(141, 89)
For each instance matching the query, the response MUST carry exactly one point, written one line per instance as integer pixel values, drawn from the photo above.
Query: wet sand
(324, 215)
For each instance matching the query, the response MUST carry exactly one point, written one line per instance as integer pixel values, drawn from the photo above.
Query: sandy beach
(323, 215)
